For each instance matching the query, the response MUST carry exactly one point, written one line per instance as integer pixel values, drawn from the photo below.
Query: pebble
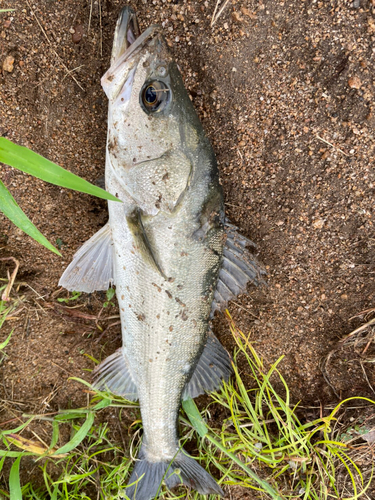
(8, 64)
(354, 82)
(78, 33)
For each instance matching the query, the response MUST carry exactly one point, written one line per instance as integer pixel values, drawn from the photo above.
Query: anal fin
(113, 375)
(239, 267)
(213, 367)
(92, 266)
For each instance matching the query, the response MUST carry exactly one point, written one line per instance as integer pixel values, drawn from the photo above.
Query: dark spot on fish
(168, 293)
(122, 309)
(180, 302)
(150, 360)
(165, 177)
(211, 365)
(158, 316)
(184, 254)
(180, 287)
(157, 286)
(134, 160)
(141, 317)
(110, 77)
(130, 305)
(184, 316)
(170, 280)
(124, 268)
(171, 328)
(122, 297)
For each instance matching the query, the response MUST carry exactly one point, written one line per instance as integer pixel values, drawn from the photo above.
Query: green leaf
(10, 209)
(191, 410)
(110, 293)
(26, 160)
(79, 436)
(14, 480)
(6, 341)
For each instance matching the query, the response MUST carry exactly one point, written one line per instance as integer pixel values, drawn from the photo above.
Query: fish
(167, 248)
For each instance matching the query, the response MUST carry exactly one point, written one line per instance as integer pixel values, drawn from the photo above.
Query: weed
(74, 296)
(262, 445)
(26, 160)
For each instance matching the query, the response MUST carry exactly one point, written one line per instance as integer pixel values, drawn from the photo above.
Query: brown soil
(285, 91)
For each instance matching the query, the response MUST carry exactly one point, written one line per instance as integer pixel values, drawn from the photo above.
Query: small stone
(8, 64)
(354, 82)
(248, 13)
(236, 17)
(78, 33)
(318, 223)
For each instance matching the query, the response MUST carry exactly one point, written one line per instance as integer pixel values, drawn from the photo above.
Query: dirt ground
(285, 90)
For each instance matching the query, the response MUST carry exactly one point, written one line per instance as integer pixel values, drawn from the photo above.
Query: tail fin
(148, 477)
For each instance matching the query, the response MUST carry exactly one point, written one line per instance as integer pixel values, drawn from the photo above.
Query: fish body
(165, 248)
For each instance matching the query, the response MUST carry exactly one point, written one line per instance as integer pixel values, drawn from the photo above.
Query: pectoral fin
(141, 241)
(92, 266)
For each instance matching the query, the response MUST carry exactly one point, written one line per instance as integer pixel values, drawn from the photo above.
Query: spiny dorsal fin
(92, 266)
(239, 267)
(213, 367)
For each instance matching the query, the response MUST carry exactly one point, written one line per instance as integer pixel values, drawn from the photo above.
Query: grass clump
(31, 163)
(263, 445)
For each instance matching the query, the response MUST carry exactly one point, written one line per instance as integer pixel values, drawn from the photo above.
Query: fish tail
(148, 476)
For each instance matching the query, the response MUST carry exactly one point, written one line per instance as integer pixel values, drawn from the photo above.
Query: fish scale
(168, 249)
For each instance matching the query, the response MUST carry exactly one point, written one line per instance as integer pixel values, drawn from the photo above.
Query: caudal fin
(148, 476)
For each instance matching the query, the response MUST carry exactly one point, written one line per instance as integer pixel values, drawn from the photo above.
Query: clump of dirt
(285, 91)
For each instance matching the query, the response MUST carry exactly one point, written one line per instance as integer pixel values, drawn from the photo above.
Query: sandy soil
(285, 90)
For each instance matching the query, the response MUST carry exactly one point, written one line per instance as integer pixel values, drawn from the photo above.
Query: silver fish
(168, 250)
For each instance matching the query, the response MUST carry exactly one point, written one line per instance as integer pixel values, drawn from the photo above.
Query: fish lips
(126, 45)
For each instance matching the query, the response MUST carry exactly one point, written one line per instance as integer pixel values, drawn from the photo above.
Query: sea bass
(167, 248)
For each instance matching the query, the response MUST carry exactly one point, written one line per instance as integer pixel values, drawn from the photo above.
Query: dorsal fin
(213, 367)
(239, 267)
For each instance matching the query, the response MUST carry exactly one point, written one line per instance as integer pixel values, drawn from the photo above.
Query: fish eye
(154, 96)
(150, 96)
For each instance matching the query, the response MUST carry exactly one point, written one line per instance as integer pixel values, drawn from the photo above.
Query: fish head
(155, 137)
(140, 85)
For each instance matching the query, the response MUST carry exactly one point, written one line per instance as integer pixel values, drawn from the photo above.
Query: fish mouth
(128, 38)
(127, 43)
(127, 31)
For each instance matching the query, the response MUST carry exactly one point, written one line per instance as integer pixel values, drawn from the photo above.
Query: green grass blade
(194, 416)
(26, 160)
(6, 341)
(79, 436)
(14, 481)
(10, 209)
